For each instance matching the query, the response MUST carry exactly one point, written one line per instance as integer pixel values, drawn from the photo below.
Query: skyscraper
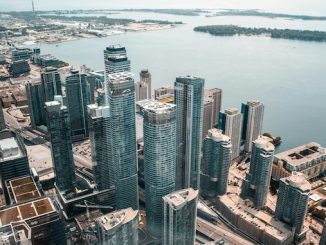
(119, 227)
(180, 211)
(207, 116)
(144, 86)
(189, 96)
(121, 91)
(256, 182)
(116, 60)
(253, 113)
(35, 97)
(51, 82)
(100, 141)
(61, 145)
(230, 122)
(292, 201)
(216, 95)
(159, 160)
(78, 97)
(215, 164)
(2, 118)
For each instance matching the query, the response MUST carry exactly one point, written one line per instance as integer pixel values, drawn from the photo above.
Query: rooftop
(179, 198)
(117, 218)
(299, 181)
(9, 149)
(253, 102)
(96, 111)
(26, 211)
(232, 111)
(217, 135)
(155, 106)
(263, 142)
(302, 154)
(24, 189)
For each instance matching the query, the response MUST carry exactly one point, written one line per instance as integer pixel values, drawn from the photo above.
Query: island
(232, 30)
(232, 12)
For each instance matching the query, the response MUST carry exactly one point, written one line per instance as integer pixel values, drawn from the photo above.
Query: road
(215, 232)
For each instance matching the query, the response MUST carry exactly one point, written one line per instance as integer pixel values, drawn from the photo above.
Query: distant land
(189, 12)
(231, 12)
(232, 30)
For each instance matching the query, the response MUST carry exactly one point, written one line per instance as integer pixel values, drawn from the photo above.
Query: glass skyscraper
(78, 97)
(180, 211)
(35, 95)
(61, 145)
(292, 201)
(256, 182)
(51, 82)
(216, 163)
(121, 92)
(189, 96)
(101, 145)
(159, 160)
(116, 60)
(253, 114)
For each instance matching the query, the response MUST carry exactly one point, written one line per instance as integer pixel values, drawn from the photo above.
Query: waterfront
(287, 76)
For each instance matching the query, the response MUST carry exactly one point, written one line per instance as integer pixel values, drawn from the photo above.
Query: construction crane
(89, 205)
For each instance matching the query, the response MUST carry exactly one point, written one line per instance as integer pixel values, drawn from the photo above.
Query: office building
(119, 227)
(323, 235)
(309, 159)
(18, 54)
(121, 91)
(144, 86)
(2, 118)
(51, 82)
(230, 122)
(292, 201)
(215, 164)
(13, 156)
(253, 114)
(116, 60)
(207, 116)
(78, 97)
(189, 97)
(159, 160)
(61, 145)
(256, 182)
(35, 222)
(36, 100)
(180, 211)
(216, 95)
(19, 67)
(101, 146)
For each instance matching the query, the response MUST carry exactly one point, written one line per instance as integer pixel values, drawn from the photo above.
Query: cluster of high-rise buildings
(188, 147)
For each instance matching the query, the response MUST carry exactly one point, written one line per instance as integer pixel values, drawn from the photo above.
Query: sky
(311, 7)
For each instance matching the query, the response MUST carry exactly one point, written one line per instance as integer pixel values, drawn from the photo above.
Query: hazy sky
(313, 7)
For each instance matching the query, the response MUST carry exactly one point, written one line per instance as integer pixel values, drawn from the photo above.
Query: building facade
(253, 114)
(216, 95)
(61, 145)
(78, 97)
(51, 82)
(2, 118)
(159, 160)
(144, 86)
(119, 228)
(215, 164)
(189, 97)
(101, 145)
(180, 211)
(121, 92)
(323, 235)
(207, 116)
(230, 122)
(116, 60)
(36, 100)
(256, 182)
(292, 201)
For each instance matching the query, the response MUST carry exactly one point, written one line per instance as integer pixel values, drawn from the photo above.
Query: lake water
(289, 77)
